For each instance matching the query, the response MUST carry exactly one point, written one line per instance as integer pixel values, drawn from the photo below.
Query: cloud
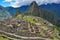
(7, 0)
(19, 3)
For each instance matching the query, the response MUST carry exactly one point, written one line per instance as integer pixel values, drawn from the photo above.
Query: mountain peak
(33, 9)
(34, 4)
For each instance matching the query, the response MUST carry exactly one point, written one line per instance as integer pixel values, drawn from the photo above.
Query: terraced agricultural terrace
(27, 28)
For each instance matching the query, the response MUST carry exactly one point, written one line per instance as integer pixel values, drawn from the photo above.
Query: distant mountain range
(13, 10)
(4, 14)
(54, 8)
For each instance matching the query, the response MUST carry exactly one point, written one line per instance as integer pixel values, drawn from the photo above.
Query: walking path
(19, 37)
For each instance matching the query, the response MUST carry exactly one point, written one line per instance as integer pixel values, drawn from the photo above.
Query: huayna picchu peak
(33, 9)
(34, 24)
(34, 4)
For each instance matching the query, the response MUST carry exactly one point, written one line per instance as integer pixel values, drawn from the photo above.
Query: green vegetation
(44, 27)
(31, 19)
(57, 29)
(1, 38)
(23, 30)
(58, 23)
(17, 13)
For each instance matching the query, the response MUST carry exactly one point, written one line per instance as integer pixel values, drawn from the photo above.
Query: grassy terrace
(1, 38)
(31, 19)
(35, 21)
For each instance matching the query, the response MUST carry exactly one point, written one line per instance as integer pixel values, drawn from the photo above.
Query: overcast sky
(19, 3)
